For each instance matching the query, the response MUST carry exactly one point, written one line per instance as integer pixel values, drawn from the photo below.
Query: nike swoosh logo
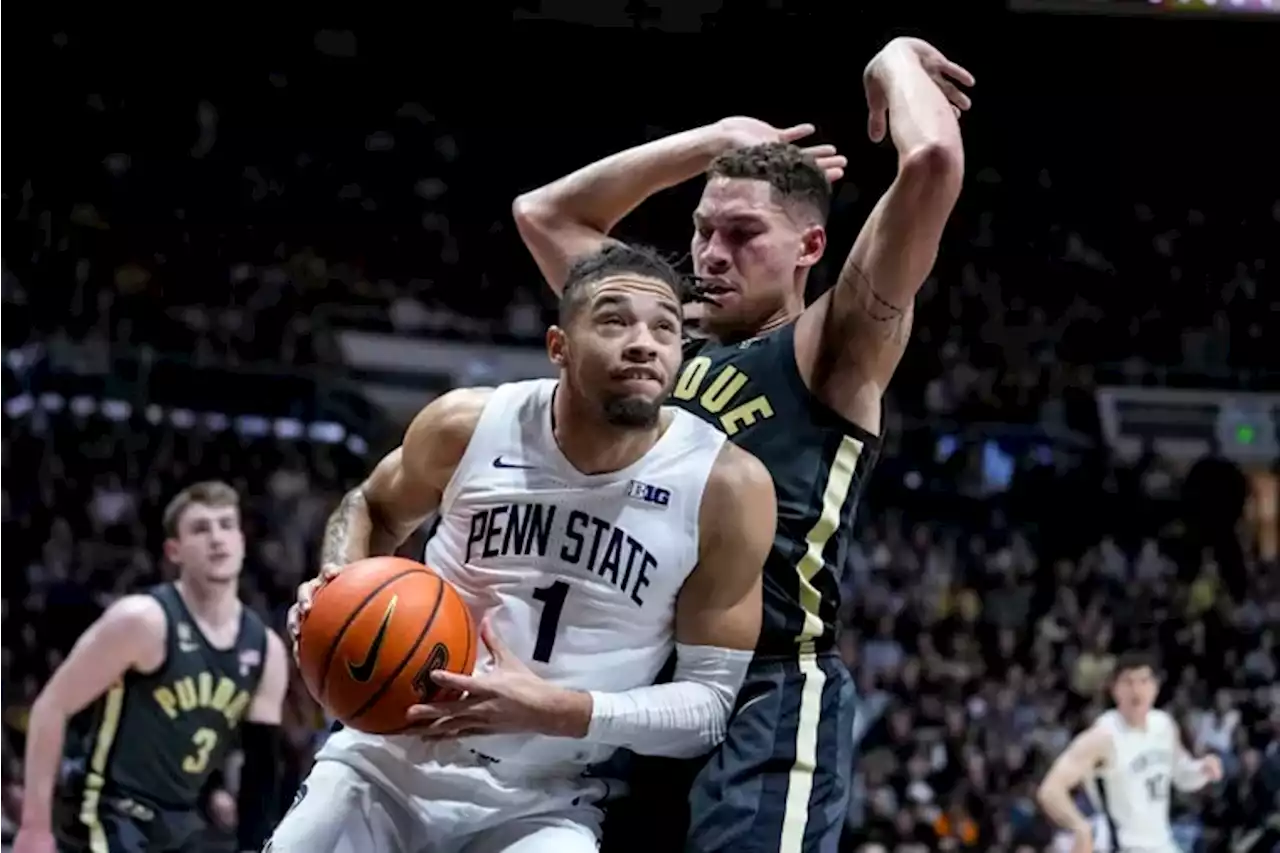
(363, 671)
(500, 463)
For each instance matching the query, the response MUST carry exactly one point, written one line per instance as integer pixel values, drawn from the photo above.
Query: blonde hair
(210, 493)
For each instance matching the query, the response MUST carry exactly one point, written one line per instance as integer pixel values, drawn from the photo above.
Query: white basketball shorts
(366, 801)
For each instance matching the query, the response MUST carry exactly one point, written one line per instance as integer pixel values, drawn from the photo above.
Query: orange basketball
(374, 634)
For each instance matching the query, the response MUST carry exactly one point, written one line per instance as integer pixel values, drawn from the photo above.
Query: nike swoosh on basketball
(363, 671)
(499, 462)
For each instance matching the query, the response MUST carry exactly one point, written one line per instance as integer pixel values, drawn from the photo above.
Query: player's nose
(713, 259)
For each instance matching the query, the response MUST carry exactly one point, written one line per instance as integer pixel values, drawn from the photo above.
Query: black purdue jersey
(753, 392)
(156, 737)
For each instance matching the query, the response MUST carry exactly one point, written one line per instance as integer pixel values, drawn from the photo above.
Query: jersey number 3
(552, 598)
(204, 740)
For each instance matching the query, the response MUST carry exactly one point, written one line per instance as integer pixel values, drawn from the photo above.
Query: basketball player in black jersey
(178, 673)
(798, 387)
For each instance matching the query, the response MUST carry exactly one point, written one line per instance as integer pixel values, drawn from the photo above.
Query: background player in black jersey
(799, 387)
(177, 673)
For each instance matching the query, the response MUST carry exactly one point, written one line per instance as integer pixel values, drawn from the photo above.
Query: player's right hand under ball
(34, 841)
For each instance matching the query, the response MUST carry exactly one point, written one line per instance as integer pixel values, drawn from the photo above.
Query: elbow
(531, 211)
(1044, 794)
(936, 168)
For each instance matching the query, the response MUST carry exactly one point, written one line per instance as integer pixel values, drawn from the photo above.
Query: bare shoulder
(136, 626)
(136, 613)
(739, 493)
(445, 425)
(1095, 743)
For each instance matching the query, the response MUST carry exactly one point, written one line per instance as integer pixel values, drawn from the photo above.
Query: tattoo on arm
(892, 321)
(349, 526)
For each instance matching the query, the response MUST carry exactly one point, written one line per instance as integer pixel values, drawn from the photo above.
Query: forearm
(1056, 801)
(259, 784)
(682, 719)
(921, 118)
(599, 196)
(352, 533)
(1189, 774)
(45, 734)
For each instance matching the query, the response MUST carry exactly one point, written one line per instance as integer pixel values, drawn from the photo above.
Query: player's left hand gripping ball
(508, 698)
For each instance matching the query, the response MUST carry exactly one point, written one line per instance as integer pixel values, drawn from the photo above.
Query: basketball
(374, 634)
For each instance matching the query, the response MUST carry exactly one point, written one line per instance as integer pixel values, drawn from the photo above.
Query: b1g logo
(648, 494)
(437, 659)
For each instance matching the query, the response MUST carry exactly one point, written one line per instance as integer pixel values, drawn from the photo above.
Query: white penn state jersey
(577, 573)
(1132, 790)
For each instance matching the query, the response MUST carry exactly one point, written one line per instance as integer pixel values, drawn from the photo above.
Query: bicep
(406, 487)
(720, 603)
(1081, 759)
(129, 635)
(866, 318)
(268, 702)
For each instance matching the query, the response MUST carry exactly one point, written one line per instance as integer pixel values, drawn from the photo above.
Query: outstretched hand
(507, 699)
(743, 132)
(948, 75)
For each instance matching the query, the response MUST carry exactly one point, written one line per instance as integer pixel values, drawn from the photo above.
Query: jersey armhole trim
(155, 594)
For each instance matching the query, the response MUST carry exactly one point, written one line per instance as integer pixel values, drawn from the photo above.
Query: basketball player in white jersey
(1128, 759)
(592, 531)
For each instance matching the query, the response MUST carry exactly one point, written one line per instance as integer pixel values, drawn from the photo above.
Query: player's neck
(590, 443)
(212, 604)
(1137, 722)
(779, 318)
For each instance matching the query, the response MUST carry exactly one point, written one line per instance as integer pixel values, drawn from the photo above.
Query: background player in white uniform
(1129, 757)
(594, 531)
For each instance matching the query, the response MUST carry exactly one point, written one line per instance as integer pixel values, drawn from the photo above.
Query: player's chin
(634, 410)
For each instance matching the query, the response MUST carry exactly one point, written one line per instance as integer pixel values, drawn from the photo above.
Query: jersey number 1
(552, 598)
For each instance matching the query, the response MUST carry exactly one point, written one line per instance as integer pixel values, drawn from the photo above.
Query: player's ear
(557, 345)
(171, 550)
(813, 244)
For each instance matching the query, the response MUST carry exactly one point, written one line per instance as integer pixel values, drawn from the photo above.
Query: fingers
(799, 131)
(461, 683)
(956, 72)
(817, 152)
(953, 93)
(432, 712)
(877, 125)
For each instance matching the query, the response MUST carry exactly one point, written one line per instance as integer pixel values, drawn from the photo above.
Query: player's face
(622, 350)
(1135, 690)
(209, 545)
(750, 252)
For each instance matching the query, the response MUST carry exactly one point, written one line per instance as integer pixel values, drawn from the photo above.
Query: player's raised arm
(129, 635)
(1086, 754)
(405, 488)
(863, 323)
(574, 215)
(260, 741)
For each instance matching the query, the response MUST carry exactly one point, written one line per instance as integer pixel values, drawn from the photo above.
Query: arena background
(247, 249)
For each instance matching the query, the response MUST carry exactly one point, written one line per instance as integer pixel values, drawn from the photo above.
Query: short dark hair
(616, 259)
(794, 175)
(211, 493)
(1134, 659)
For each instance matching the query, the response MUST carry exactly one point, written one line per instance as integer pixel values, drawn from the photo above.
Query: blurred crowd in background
(178, 273)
